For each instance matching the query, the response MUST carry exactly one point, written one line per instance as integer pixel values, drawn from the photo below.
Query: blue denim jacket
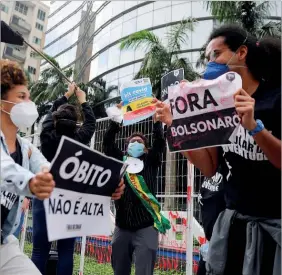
(15, 178)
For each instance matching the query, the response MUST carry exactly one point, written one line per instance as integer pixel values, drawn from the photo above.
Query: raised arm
(48, 124)
(110, 147)
(206, 160)
(158, 146)
(87, 129)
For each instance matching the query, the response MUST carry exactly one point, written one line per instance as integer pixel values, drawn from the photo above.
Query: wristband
(258, 128)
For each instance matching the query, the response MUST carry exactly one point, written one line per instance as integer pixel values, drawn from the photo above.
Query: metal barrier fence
(177, 191)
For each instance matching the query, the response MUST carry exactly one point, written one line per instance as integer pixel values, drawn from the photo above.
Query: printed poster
(85, 180)
(170, 79)
(137, 97)
(203, 112)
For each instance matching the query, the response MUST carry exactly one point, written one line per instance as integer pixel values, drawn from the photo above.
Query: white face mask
(23, 114)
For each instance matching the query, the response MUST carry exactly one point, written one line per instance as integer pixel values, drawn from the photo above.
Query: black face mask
(65, 127)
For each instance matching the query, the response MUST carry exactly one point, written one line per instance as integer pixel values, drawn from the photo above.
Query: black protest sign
(203, 113)
(78, 168)
(170, 79)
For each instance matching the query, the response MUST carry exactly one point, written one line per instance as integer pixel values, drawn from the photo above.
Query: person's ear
(242, 53)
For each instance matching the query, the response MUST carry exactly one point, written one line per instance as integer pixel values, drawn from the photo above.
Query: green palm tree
(50, 85)
(28, 78)
(251, 15)
(159, 58)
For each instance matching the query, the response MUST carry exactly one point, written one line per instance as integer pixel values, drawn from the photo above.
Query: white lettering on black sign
(85, 181)
(78, 168)
(171, 79)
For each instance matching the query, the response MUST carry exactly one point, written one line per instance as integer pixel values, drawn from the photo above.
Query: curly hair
(137, 134)
(11, 74)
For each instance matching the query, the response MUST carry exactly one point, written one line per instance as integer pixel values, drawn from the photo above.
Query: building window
(39, 26)
(31, 70)
(36, 40)
(21, 8)
(4, 8)
(41, 15)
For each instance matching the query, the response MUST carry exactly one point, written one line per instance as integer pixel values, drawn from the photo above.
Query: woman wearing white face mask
(24, 170)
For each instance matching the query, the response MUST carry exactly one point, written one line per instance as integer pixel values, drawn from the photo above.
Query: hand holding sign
(119, 191)
(42, 185)
(245, 105)
(86, 180)
(203, 112)
(163, 113)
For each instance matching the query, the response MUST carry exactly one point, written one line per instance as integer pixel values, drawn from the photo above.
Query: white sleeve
(14, 178)
(37, 161)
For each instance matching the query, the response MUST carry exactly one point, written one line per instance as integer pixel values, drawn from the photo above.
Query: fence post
(83, 239)
(190, 217)
(82, 255)
(23, 233)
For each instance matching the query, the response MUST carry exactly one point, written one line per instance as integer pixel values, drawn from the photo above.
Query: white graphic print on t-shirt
(8, 199)
(245, 146)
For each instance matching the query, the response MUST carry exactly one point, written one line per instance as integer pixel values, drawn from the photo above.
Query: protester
(61, 120)
(24, 170)
(135, 217)
(211, 202)
(246, 238)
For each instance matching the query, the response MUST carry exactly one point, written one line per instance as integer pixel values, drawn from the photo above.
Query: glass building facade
(114, 20)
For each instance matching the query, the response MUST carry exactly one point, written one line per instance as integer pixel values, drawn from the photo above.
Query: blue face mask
(215, 70)
(136, 149)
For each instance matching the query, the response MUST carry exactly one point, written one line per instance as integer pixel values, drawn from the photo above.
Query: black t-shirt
(9, 199)
(212, 199)
(254, 184)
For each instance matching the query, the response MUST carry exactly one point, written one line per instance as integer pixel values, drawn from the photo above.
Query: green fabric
(140, 188)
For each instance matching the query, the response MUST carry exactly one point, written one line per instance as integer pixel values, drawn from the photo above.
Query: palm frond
(263, 9)
(270, 29)
(46, 57)
(189, 72)
(145, 39)
(222, 10)
(179, 34)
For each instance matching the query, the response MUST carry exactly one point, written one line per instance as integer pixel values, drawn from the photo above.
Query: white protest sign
(85, 180)
(70, 214)
(203, 111)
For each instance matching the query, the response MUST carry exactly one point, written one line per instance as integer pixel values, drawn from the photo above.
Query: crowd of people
(241, 217)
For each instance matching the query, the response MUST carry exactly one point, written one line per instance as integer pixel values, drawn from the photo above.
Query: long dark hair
(65, 119)
(264, 56)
